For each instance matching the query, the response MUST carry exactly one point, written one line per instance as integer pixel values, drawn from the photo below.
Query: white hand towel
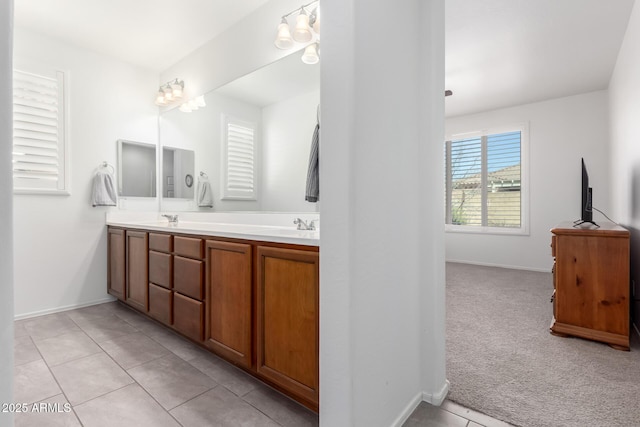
(104, 191)
(204, 196)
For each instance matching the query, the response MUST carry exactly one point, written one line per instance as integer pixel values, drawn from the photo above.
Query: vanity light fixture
(170, 92)
(306, 29)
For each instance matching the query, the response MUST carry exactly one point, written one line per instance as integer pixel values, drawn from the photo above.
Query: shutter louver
(503, 180)
(38, 132)
(240, 177)
(466, 182)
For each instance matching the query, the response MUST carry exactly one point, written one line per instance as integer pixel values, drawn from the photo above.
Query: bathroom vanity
(246, 293)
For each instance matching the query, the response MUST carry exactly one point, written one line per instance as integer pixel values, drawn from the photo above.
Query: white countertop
(264, 230)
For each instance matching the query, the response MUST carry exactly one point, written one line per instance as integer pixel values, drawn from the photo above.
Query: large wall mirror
(281, 100)
(136, 169)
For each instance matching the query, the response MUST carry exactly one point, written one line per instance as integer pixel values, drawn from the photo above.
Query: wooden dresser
(591, 283)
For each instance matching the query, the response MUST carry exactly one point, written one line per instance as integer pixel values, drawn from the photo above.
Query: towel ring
(203, 174)
(107, 165)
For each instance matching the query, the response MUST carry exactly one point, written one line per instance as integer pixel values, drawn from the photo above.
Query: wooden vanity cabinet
(188, 287)
(287, 308)
(228, 300)
(137, 282)
(116, 260)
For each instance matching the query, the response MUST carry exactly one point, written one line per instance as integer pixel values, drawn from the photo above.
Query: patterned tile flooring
(107, 365)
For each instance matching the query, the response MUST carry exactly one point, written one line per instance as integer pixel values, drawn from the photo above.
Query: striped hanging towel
(313, 173)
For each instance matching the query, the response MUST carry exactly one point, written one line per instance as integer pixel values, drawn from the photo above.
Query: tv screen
(586, 211)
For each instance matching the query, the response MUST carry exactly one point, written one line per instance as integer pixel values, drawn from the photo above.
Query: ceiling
(153, 34)
(499, 53)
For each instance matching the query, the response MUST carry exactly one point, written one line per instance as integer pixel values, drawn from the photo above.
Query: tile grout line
(129, 375)
(56, 380)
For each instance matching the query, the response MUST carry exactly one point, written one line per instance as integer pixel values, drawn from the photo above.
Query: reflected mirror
(281, 100)
(177, 173)
(136, 169)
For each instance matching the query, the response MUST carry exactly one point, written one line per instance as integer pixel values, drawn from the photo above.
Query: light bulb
(176, 88)
(310, 55)
(192, 105)
(185, 108)
(168, 93)
(160, 98)
(283, 39)
(302, 32)
(200, 101)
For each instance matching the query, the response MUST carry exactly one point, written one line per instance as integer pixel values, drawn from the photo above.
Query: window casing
(239, 154)
(487, 181)
(40, 151)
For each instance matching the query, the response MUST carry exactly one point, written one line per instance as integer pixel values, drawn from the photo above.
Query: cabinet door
(161, 304)
(287, 320)
(228, 300)
(188, 316)
(116, 263)
(137, 270)
(188, 277)
(161, 269)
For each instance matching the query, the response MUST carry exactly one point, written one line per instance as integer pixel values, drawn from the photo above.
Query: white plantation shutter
(484, 181)
(39, 150)
(239, 168)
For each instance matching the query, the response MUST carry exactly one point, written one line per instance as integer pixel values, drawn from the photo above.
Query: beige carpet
(502, 361)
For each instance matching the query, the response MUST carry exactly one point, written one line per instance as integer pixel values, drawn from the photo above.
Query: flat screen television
(586, 207)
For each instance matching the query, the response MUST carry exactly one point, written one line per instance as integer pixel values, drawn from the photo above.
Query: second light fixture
(307, 27)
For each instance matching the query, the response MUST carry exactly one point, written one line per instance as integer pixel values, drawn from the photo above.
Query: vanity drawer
(161, 269)
(188, 275)
(160, 242)
(188, 246)
(188, 316)
(161, 304)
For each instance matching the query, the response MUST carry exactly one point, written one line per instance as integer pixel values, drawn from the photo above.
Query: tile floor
(107, 365)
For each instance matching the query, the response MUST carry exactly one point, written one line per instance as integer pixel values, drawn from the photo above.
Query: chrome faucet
(173, 219)
(302, 225)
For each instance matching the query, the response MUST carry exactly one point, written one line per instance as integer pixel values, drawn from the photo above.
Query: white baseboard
(512, 267)
(408, 410)
(435, 399)
(61, 309)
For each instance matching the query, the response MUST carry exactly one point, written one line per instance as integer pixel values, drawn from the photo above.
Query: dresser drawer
(188, 246)
(188, 275)
(160, 242)
(161, 269)
(161, 304)
(188, 316)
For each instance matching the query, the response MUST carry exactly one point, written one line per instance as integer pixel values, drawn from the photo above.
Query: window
(486, 182)
(40, 157)
(239, 159)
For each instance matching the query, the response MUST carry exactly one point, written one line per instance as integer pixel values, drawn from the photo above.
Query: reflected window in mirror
(136, 169)
(239, 159)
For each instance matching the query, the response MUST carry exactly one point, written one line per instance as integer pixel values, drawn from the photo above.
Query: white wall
(561, 131)
(201, 131)
(382, 263)
(63, 236)
(6, 214)
(241, 49)
(624, 99)
(287, 129)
